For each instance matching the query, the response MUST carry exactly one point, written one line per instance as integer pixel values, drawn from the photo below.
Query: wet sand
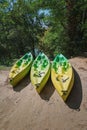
(21, 108)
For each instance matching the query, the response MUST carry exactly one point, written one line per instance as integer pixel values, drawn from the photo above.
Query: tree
(20, 28)
(75, 21)
(71, 16)
(25, 25)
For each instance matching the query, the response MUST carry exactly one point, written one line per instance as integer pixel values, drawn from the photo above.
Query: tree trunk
(76, 19)
(71, 25)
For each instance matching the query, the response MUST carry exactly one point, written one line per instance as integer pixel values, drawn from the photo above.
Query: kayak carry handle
(37, 85)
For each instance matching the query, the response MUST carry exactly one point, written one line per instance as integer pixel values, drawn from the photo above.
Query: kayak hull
(20, 76)
(63, 79)
(16, 78)
(39, 81)
(43, 82)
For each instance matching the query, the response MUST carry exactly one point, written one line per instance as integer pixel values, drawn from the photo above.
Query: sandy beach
(22, 108)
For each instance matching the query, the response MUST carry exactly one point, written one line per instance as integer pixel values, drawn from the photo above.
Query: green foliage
(24, 28)
(20, 28)
(67, 20)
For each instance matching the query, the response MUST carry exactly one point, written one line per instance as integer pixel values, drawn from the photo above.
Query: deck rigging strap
(39, 74)
(64, 80)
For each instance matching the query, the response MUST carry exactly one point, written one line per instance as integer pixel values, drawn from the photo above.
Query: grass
(2, 67)
(7, 65)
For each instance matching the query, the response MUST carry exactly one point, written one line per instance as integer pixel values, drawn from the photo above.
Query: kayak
(62, 76)
(20, 69)
(40, 72)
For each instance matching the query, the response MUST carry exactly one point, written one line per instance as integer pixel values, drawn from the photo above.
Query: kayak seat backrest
(25, 57)
(35, 65)
(19, 63)
(65, 65)
(45, 63)
(37, 62)
(39, 58)
(57, 59)
(55, 65)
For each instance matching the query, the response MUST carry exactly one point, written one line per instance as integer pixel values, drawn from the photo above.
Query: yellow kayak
(62, 76)
(40, 71)
(20, 69)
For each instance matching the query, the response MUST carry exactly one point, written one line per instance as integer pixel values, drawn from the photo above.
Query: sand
(21, 108)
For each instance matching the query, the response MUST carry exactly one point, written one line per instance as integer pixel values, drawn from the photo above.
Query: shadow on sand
(47, 91)
(75, 98)
(23, 83)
